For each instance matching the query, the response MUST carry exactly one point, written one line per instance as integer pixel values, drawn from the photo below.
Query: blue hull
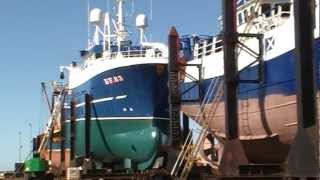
(129, 115)
(142, 93)
(267, 111)
(279, 79)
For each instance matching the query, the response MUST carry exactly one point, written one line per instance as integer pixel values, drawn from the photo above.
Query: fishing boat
(267, 91)
(127, 88)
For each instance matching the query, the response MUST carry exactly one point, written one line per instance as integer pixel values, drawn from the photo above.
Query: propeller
(210, 152)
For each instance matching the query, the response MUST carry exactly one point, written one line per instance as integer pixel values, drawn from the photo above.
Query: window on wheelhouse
(253, 13)
(266, 9)
(240, 19)
(246, 15)
(219, 43)
(284, 9)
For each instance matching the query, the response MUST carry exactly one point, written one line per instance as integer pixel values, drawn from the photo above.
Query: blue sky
(38, 36)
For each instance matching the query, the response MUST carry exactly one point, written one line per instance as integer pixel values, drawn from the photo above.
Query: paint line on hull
(121, 118)
(121, 97)
(101, 100)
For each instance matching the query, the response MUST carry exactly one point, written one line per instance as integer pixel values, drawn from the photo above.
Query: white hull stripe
(118, 118)
(102, 100)
(80, 104)
(121, 97)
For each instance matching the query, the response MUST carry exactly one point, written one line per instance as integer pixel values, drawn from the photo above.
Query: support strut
(174, 93)
(303, 159)
(233, 154)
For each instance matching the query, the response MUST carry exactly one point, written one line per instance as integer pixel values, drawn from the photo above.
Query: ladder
(55, 114)
(189, 151)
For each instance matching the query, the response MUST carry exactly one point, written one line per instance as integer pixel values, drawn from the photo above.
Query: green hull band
(114, 141)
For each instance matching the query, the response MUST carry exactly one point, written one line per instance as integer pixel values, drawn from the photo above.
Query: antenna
(20, 146)
(151, 17)
(107, 31)
(120, 22)
(132, 8)
(107, 5)
(120, 15)
(31, 140)
(151, 9)
(88, 21)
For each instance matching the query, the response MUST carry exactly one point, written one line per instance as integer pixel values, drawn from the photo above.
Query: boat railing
(128, 53)
(266, 21)
(209, 47)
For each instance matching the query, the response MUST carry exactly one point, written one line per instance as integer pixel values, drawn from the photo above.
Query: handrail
(203, 133)
(133, 53)
(182, 154)
(203, 48)
(267, 23)
(189, 152)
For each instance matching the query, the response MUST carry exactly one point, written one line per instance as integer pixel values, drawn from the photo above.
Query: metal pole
(20, 147)
(62, 142)
(51, 143)
(34, 145)
(44, 91)
(31, 140)
(87, 125)
(233, 154)
(303, 159)
(72, 128)
(230, 70)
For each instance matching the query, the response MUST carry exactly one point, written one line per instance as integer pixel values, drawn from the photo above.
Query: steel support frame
(174, 94)
(72, 130)
(233, 154)
(303, 159)
(87, 163)
(258, 55)
(62, 142)
(87, 133)
(196, 81)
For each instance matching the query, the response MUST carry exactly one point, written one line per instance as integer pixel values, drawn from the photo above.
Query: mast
(122, 32)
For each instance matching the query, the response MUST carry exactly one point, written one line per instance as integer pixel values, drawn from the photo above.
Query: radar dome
(95, 16)
(142, 21)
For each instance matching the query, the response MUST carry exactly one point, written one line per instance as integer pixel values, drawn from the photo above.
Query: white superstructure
(111, 48)
(272, 18)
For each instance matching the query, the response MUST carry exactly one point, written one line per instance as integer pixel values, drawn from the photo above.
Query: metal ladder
(189, 151)
(244, 115)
